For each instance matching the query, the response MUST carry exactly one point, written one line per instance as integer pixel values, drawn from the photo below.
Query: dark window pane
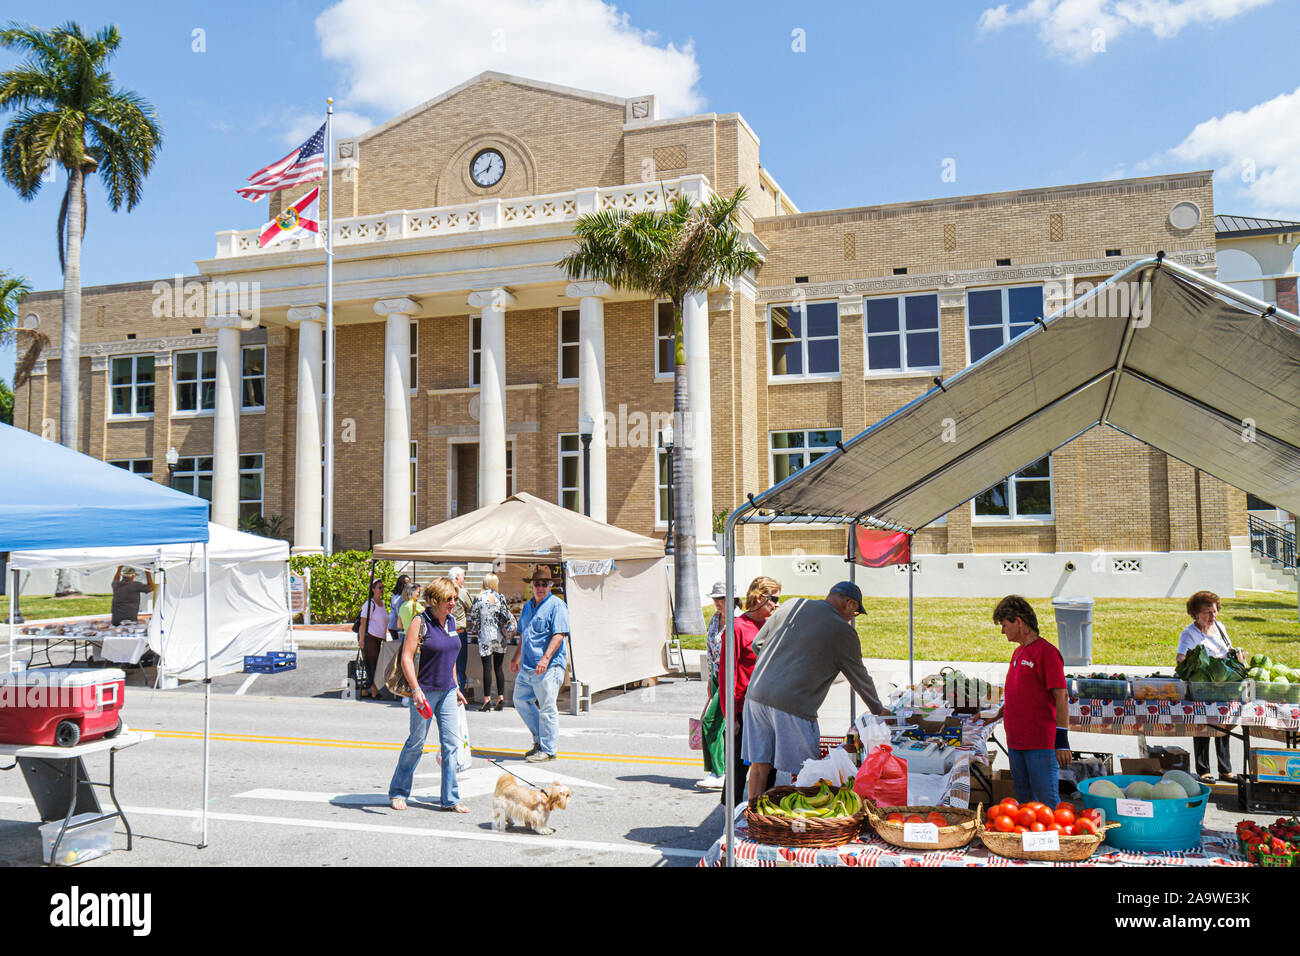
(783, 466)
(125, 465)
(787, 322)
(823, 319)
(476, 333)
(1026, 304)
(993, 502)
(569, 327)
(249, 462)
(1039, 469)
(569, 443)
(250, 486)
(209, 364)
(250, 509)
(923, 349)
(209, 395)
(204, 487)
(569, 471)
(665, 318)
(144, 399)
(476, 373)
(254, 393)
(254, 361)
(825, 438)
(569, 362)
(922, 312)
(984, 307)
(144, 369)
(664, 356)
(883, 352)
(187, 397)
(984, 341)
(205, 464)
(1019, 330)
(121, 371)
(1033, 498)
(882, 315)
(787, 440)
(824, 356)
(787, 358)
(122, 401)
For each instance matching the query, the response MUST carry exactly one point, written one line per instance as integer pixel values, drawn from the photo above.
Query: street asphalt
(299, 776)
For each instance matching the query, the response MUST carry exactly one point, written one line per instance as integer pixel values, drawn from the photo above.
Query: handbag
(395, 680)
(696, 730)
(358, 673)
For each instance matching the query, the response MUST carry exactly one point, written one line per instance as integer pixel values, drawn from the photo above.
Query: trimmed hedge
(338, 583)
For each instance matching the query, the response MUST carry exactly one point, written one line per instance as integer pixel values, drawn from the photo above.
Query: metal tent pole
(911, 616)
(853, 578)
(207, 694)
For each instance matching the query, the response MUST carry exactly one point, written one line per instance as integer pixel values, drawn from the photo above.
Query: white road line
(532, 840)
(478, 782)
(243, 688)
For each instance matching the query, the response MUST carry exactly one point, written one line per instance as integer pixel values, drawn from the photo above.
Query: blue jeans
(535, 700)
(443, 703)
(1034, 774)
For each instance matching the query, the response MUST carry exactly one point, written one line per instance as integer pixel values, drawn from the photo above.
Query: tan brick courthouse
(465, 358)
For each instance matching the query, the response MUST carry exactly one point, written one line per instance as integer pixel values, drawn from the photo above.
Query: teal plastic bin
(1175, 825)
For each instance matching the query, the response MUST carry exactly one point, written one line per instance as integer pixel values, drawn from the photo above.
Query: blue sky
(854, 104)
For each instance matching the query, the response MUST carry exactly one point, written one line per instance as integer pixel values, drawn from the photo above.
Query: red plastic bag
(883, 778)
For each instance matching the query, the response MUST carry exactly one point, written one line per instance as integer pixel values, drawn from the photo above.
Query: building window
(415, 485)
(793, 450)
(996, 316)
(131, 385)
(137, 466)
(194, 477)
(475, 350)
(196, 381)
(805, 339)
(903, 333)
(1026, 494)
(250, 486)
(568, 345)
(415, 354)
(663, 481)
(571, 472)
(253, 378)
(664, 340)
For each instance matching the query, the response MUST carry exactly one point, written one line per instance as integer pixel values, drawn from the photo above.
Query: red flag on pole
(879, 549)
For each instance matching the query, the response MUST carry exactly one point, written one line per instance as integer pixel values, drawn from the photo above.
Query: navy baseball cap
(850, 590)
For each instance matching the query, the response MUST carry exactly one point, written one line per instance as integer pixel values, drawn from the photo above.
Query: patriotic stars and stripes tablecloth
(1098, 714)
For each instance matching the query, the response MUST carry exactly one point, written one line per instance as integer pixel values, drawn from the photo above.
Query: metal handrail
(1272, 542)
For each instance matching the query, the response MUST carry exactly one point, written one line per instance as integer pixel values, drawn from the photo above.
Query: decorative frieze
(138, 346)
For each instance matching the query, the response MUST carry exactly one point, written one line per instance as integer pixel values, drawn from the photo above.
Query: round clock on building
(487, 167)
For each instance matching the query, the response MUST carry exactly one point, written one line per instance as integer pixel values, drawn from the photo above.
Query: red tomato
(1094, 815)
(1020, 829)
(1083, 826)
(1004, 824)
(1034, 804)
(1043, 815)
(1009, 806)
(1025, 817)
(1065, 805)
(1037, 827)
(1056, 827)
(915, 818)
(1064, 816)
(938, 819)
(895, 818)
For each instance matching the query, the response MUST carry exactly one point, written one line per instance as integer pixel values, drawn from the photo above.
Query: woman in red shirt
(760, 601)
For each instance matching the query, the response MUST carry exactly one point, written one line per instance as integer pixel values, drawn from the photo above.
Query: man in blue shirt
(543, 626)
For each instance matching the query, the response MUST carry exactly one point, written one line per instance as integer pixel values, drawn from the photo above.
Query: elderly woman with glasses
(433, 686)
(761, 600)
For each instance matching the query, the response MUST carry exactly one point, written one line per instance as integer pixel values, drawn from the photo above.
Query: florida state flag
(302, 215)
(879, 549)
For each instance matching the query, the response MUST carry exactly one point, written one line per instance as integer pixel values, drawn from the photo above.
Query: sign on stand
(299, 595)
(1046, 840)
(1135, 808)
(920, 833)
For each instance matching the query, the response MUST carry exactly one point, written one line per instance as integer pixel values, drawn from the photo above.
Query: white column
(591, 381)
(492, 394)
(225, 424)
(695, 334)
(397, 415)
(307, 459)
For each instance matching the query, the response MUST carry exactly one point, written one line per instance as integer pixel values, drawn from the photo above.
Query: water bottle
(425, 708)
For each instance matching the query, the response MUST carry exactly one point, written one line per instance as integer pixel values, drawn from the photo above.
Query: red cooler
(60, 706)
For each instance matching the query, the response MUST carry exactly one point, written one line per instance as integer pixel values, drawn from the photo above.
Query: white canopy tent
(616, 583)
(1159, 352)
(248, 593)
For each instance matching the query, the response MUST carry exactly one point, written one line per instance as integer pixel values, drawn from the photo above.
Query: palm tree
(670, 253)
(71, 114)
(13, 289)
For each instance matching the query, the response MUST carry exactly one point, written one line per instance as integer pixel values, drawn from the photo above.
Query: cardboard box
(1141, 766)
(1171, 758)
(1003, 786)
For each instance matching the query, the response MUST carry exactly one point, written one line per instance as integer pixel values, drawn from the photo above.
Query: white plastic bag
(872, 730)
(464, 756)
(837, 767)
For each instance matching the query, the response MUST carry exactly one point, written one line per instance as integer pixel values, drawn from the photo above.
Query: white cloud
(1255, 153)
(1079, 29)
(296, 129)
(396, 54)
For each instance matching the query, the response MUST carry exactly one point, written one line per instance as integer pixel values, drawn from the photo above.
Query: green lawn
(35, 608)
(1124, 630)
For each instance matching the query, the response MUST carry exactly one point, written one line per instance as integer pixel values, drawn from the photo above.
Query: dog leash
(516, 776)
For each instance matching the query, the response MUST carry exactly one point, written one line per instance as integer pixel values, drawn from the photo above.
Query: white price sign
(920, 833)
(1047, 840)
(1134, 808)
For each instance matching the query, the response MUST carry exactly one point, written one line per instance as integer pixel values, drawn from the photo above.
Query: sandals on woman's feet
(457, 808)
(397, 803)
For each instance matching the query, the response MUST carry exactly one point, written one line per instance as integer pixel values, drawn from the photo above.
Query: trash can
(1074, 629)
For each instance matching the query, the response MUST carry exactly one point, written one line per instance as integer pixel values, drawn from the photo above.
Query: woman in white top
(1206, 631)
(371, 634)
(491, 619)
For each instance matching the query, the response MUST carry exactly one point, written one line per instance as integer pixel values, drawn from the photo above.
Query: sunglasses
(542, 584)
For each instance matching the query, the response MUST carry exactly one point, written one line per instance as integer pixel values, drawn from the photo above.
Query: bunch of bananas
(826, 802)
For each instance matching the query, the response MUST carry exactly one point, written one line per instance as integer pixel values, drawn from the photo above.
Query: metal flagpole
(329, 329)
(911, 651)
(207, 693)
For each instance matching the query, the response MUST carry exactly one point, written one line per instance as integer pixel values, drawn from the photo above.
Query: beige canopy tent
(616, 582)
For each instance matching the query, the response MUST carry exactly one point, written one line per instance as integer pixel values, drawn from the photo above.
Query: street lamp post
(668, 444)
(172, 459)
(586, 425)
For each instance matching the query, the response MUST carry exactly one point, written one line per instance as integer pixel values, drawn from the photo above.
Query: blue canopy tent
(54, 497)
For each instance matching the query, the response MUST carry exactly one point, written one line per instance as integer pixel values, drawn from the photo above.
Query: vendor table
(1217, 849)
(47, 768)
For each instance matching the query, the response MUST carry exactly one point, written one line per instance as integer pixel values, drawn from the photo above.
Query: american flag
(304, 165)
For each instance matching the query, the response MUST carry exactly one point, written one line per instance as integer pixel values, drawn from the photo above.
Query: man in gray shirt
(806, 644)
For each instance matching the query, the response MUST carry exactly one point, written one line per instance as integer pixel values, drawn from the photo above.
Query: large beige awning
(1158, 352)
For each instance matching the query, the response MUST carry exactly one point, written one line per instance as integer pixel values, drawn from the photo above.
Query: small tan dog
(514, 803)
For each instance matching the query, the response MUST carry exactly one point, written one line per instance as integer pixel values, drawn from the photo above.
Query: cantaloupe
(1168, 790)
(1105, 788)
(1138, 790)
(1185, 780)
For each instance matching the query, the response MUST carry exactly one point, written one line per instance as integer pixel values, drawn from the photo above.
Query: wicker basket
(801, 831)
(959, 832)
(1073, 848)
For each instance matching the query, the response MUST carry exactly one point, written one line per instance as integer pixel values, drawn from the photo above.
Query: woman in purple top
(434, 681)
